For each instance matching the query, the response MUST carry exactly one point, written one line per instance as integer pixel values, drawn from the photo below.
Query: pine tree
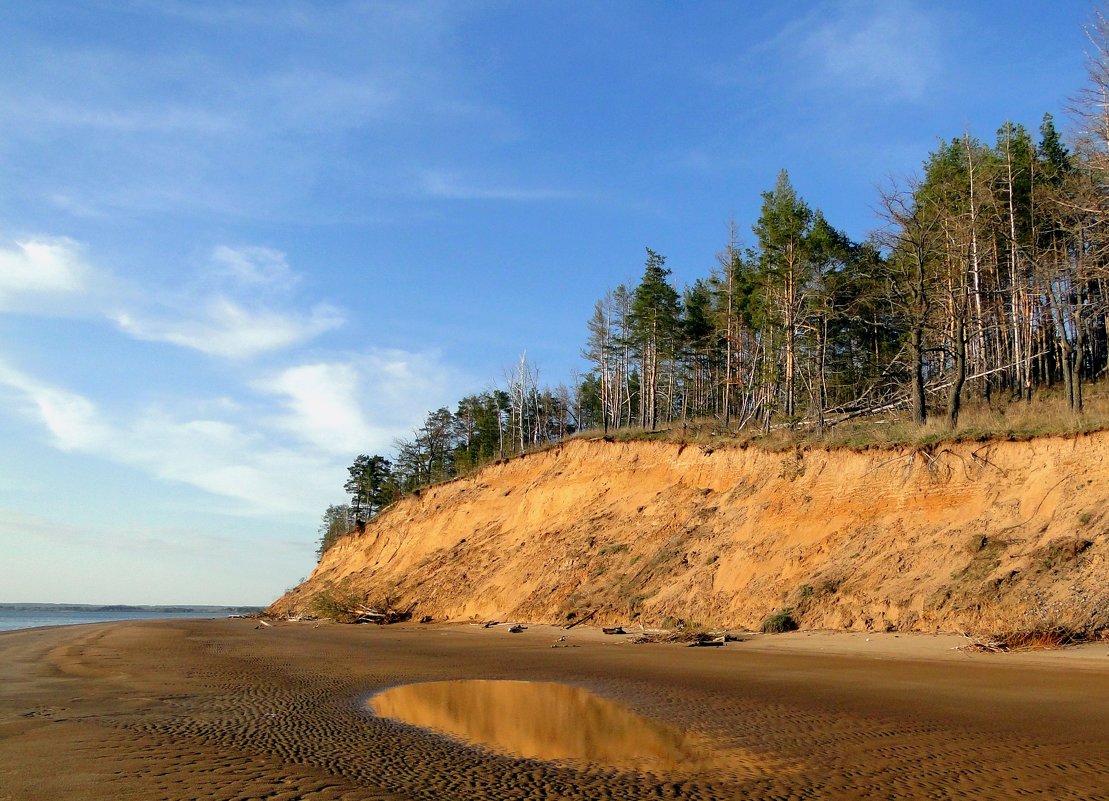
(370, 486)
(785, 261)
(654, 326)
(337, 521)
(698, 350)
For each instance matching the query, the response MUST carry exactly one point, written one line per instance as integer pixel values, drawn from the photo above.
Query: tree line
(495, 424)
(988, 276)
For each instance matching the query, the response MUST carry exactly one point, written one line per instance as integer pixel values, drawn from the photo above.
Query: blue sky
(241, 243)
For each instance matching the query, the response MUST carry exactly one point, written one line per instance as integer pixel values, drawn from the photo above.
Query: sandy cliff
(968, 536)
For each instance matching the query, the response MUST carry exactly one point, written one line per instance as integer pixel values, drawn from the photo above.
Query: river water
(15, 618)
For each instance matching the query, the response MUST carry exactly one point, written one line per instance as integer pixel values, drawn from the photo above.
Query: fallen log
(581, 620)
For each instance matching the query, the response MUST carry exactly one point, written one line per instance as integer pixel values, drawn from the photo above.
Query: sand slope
(973, 535)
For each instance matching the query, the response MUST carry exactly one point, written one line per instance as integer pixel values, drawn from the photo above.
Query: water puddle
(558, 723)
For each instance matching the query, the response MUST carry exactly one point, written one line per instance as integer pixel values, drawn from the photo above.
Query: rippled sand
(222, 710)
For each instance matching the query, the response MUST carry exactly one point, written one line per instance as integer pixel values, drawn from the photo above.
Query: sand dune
(222, 710)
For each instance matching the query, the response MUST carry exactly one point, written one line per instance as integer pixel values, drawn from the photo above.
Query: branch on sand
(351, 608)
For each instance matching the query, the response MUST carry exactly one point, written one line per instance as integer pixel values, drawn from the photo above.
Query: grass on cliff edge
(1002, 418)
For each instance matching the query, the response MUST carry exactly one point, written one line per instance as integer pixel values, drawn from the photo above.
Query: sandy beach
(226, 710)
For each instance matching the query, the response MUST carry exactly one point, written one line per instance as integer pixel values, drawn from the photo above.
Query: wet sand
(223, 710)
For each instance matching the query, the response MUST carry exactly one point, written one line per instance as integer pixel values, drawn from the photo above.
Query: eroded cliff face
(962, 537)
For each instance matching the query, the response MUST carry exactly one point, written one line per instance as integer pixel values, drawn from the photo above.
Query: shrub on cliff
(340, 607)
(779, 622)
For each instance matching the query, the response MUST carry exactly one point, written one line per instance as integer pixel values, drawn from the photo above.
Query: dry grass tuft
(1032, 640)
(1041, 625)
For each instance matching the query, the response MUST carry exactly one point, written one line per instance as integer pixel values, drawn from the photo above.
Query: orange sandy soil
(982, 537)
(224, 710)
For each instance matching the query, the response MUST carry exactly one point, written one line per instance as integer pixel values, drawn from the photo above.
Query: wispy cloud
(280, 451)
(72, 419)
(275, 444)
(318, 100)
(32, 528)
(152, 119)
(235, 308)
(265, 15)
(451, 187)
(74, 206)
(865, 52)
(265, 106)
(891, 48)
(253, 267)
(364, 402)
(38, 270)
(324, 405)
(217, 456)
(226, 329)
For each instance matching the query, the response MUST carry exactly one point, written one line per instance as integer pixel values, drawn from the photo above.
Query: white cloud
(324, 403)
(405, 385)
(227, 459)
(230, 447)
(283, 459)
(230, 460)
(228, 330)
(38, 270)
(230, 310)
(358, 405)
(254, 267)
(890, 48)
(863, 51)
(70, 418)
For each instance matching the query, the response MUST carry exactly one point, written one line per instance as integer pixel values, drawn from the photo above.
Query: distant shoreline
(14, 617)
(175, 608)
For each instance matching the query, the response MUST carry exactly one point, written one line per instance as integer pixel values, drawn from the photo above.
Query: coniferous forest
(987, 276)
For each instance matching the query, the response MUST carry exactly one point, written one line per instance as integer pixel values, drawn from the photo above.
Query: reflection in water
(556, 722)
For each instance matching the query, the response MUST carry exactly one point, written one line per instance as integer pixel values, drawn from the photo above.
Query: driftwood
(718, 642)
(363, 614)
(614, 630)
(581, 620)
(490, 624)
(1032, 640)
(692, 640)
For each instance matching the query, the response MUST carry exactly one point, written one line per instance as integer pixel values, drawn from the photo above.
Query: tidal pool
(557, 723)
